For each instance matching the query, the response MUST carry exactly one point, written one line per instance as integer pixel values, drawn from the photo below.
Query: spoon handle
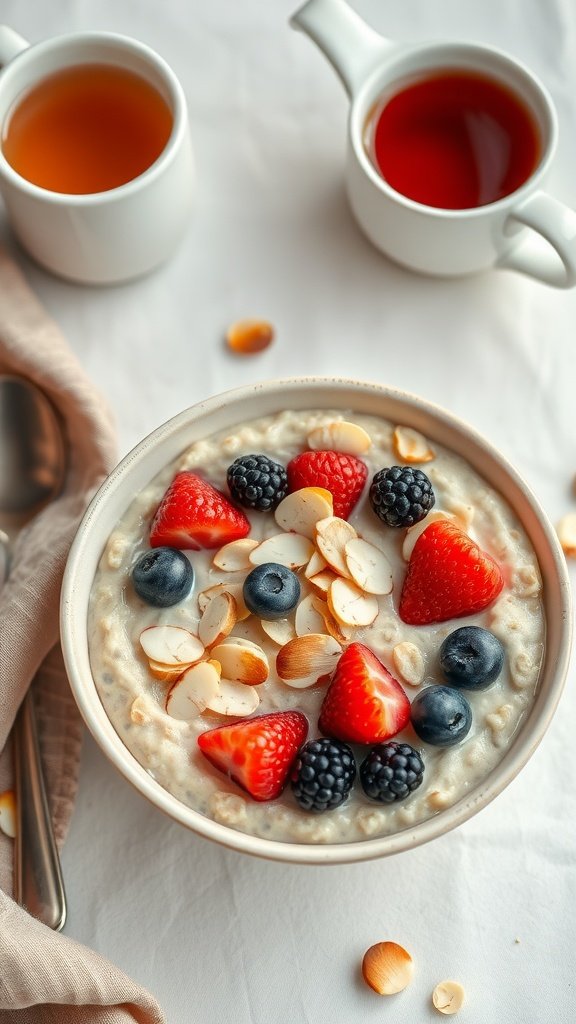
(38, 884)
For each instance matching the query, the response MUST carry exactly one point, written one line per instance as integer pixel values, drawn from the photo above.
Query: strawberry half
(364, 703)
(193, 515)
(343, 475)
(257, 753)
(448, 576)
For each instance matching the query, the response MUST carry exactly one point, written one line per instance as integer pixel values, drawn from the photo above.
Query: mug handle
(11, 44)
(555, 262)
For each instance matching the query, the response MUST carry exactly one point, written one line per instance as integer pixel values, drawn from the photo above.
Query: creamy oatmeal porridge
(362, 588)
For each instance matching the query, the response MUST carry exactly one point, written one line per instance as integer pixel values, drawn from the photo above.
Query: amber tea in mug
(85, 129)
(453, 139)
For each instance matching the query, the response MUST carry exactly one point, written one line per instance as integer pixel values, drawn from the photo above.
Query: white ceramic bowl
(225, 411)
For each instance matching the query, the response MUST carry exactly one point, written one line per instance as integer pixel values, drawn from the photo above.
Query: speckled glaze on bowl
(222, 412)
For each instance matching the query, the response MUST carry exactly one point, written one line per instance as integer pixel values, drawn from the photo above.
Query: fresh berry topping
(364, 703)
(343, 475)
(257, 753)
(471, 658)
(391, 771)
(271, 590)
(401, 495)
(323, 774)
(448, 576)
(162, 577)
(255, 481)
(193, 515)
(441, 716)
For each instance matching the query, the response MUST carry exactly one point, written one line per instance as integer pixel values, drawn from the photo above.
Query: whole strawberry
(364, 703)
(257, 753)
(193, 515)
(341, 474)
(448, 576)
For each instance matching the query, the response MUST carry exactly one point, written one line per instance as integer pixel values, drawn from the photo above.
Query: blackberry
(255, 481)
(323, 774)
(391, 771)
(401, 496)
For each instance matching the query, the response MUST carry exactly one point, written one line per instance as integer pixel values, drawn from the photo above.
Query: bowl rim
(534, 521)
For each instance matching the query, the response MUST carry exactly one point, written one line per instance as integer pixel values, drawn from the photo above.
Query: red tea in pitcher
(454, 139)
(87, 128)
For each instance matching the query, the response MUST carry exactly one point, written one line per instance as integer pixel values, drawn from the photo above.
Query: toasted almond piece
(234, 556)
(190, 695)
(235, 589)
(243, 662)
(408, 661)
(323, 581)
(289, 549)
(387, 968)
(245, 337)
(302, 661)
(300, 511)
(350, 605)
(171, 645)
(165, 673)
(215, 664)
(332, 536)
(411, 446)
(566, 530)
(218, 619)
(413, 532)
(368, 566)
(340, 436)
(308, 618)
(8, 813)
(279, 630)
(343, 634)
(448, 997)
(315, 565)
(234, 698)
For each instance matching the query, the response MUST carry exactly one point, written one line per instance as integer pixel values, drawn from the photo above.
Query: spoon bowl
(32, 454)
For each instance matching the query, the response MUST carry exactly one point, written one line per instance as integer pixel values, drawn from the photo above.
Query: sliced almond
(448, 997)
(302, 661)
(408, 661)
(315, 565)
(190, 695)
(300, 511)
(165, 673)
(279, 630)
(387, 968)
(171, 645)
(309, 618)
(233, 557)
(343, 634)
(368, 566)
(340, 436)
(218, 619)
(323, 581)
(350, 605)
(235, 589)
(234, 698)
(243, 662)
(332, 536)
(413, 532)
(566, 530)
(8, 813)
(289, 549)
(411, 446)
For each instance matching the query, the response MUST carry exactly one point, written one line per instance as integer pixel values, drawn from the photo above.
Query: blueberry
(271, 590)
(162, 577)
(471, 658)
(441, 716)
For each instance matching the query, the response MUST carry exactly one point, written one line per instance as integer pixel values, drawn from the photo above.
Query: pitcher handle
(352, 47)
(549, 254)
(11, 44)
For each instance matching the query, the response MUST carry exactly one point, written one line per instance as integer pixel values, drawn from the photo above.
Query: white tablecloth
(221, 937)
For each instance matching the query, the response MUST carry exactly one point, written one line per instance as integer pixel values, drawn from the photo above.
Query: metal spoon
(32, 468)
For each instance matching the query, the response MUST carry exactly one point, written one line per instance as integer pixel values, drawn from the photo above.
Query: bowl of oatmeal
(316, 620)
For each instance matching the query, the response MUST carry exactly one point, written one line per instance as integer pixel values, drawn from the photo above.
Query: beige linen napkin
(46, 978)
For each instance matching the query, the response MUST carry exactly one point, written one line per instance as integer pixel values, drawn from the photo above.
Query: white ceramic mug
(102, 237)
(425, 238)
